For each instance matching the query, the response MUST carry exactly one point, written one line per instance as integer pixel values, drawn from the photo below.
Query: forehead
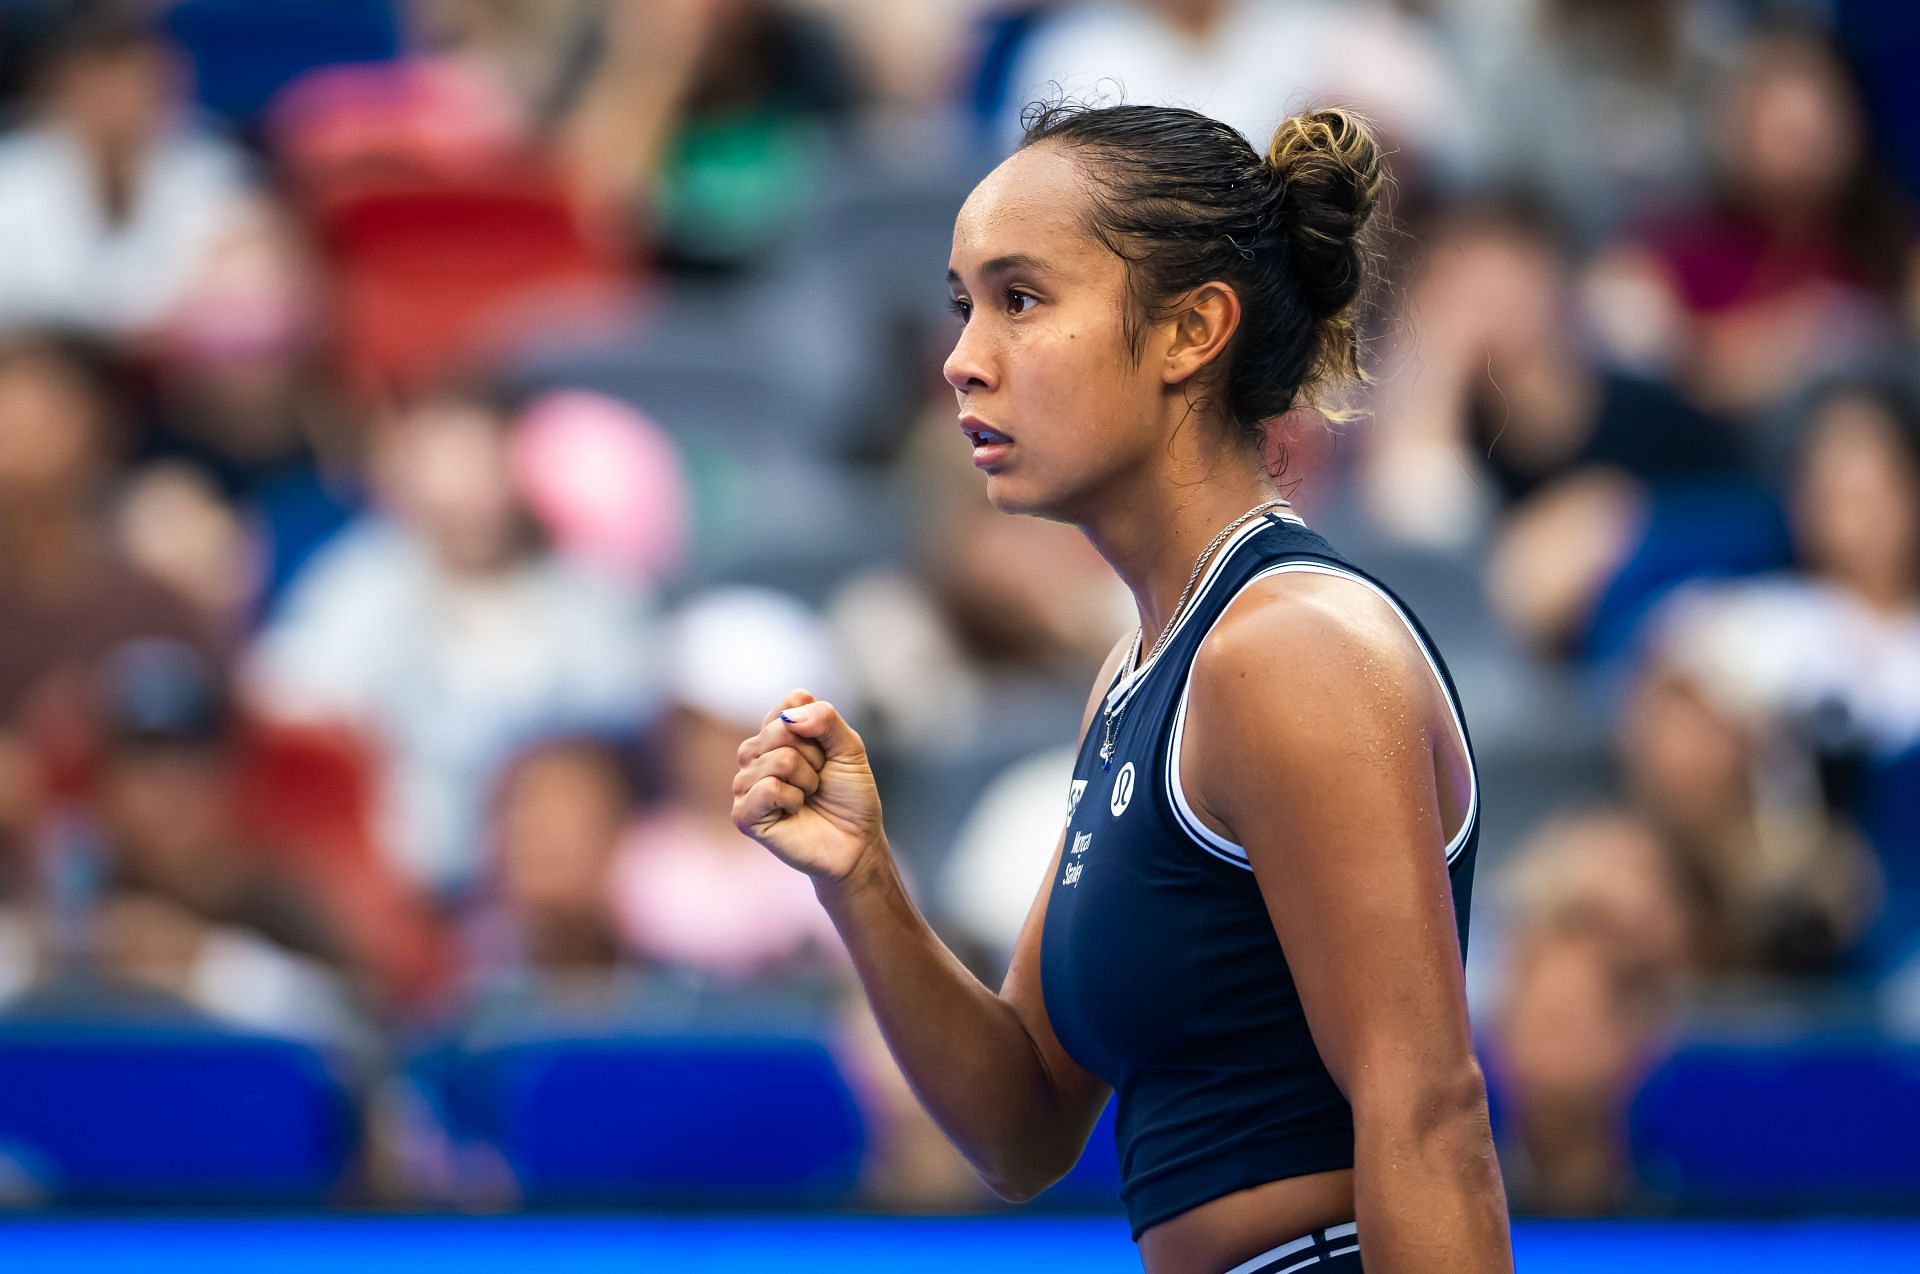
(1032, 204)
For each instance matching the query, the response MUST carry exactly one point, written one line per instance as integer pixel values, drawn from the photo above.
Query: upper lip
(980, 431)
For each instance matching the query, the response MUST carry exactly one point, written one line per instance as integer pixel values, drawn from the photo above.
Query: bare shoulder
(1317, 640)
(1311, 688)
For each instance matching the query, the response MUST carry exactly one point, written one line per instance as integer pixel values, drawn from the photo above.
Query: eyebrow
(1012, 263)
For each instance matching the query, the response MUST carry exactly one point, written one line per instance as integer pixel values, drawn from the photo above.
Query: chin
(1010, 495)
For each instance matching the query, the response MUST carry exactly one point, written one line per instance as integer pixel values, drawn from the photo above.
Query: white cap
(735, 653)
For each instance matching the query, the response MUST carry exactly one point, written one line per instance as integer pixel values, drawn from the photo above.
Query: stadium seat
(739, 1119)
(245, 51)
(432, 273)
(1765, 1124)
(117, 1113)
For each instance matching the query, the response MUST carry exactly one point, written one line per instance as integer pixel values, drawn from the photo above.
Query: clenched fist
(806, 792)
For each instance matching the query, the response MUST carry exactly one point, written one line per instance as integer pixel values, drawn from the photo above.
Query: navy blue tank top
(1159, 963)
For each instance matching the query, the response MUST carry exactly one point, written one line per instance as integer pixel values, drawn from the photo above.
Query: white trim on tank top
(1219, 846)
(1126, 682)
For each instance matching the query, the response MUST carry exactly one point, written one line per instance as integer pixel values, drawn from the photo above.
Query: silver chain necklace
(1166, 630)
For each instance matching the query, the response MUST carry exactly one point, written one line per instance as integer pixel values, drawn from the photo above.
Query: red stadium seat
(309, 793)
(428, 273)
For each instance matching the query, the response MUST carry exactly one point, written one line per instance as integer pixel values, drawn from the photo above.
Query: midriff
(1223, 1232)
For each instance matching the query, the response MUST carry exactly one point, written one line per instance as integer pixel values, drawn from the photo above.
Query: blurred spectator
(529, 49)
(66, 594)
(1778, 883)
(1729, 863)
(692, 892)
(450, 218)
(109, 198)
(1249, 63)
(558, 817)
(1496, 394)
(1829, 654)
(479, 83)
(184, 904)
(444, 626)
(247, 417)
(911, 56)
(1834, 646)
(252, 318)
(1794, 263)
(710, 118)
(1598, 940)
(1596, 104)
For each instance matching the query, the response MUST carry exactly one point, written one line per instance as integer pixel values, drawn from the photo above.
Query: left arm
(1324, 731)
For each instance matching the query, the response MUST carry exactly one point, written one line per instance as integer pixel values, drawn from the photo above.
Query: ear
(1202, 324)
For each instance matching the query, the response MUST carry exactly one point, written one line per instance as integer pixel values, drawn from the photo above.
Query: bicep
(1360, 900)
(1328, 775)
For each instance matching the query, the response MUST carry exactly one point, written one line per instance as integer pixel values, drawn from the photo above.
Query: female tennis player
(1253, 925)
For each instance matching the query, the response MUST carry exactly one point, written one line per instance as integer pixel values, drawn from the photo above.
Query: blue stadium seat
(760, 1119)
(245, 51)
(108, 1113)
(1820, 1122)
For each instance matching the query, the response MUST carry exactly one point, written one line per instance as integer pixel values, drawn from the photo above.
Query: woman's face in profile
(1042, 357)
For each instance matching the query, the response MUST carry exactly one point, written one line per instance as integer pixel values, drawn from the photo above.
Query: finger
(777, 735)
(821, 722)
(785, 764)
(793, 700)
(766, 801)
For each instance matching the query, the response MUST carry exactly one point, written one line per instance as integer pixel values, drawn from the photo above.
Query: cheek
(1076, 379)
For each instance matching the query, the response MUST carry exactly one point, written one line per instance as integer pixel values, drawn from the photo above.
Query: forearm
(1427, 1190)
(964, 1050)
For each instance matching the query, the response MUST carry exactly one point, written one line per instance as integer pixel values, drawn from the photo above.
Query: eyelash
(962, 309)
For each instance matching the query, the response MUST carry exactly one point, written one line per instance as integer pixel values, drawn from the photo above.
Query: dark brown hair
(1186, 200)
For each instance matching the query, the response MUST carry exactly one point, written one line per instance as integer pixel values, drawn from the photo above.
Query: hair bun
(1327, 176)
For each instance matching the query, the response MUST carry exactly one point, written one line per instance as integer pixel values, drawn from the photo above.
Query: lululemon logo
(1122, 790)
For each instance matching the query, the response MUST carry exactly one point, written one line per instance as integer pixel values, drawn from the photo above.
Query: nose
(969, 368)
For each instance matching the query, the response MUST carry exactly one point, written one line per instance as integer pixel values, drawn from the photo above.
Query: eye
(958, 308)
(1016, 300)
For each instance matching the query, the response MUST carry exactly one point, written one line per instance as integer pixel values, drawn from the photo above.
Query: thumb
(822, 722)
(793, 700)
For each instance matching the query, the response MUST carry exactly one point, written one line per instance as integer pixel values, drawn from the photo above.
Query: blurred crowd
(434, 433)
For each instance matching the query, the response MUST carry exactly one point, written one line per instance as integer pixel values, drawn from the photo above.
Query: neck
(1152, 535)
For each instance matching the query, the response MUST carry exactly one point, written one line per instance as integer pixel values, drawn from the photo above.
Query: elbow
(1438, 1108)
(1014, 1190)
(1457, 1102)
(1024, 1175)
(1020, 1182)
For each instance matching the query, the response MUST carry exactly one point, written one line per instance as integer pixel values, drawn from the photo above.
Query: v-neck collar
(1126, 681)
